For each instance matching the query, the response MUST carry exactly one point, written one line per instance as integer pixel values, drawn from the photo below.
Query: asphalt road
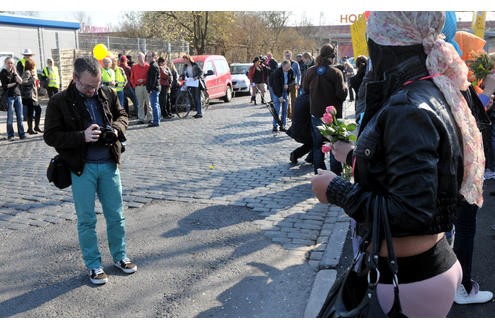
(193, 261)
(219, 223)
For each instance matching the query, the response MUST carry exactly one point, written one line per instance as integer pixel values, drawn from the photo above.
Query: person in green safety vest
(21, 63)
(51, 78)
(107, 73)
(120, 80)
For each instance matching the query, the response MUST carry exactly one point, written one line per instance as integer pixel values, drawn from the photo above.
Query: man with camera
(86, 124)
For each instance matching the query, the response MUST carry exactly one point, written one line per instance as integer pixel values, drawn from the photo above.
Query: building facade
(40, 35)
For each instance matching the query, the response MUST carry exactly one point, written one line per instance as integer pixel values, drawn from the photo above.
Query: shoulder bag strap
(396, 310)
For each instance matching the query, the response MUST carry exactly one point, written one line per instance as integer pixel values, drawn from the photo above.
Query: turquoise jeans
(102, 180)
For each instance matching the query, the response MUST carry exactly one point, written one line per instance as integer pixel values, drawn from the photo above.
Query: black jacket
(64, 124)
(277, 81)
(153, 77)
(6, 78)
(408, 152)
(300, 129)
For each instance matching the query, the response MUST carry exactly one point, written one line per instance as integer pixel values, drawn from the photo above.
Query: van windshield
(239, 69)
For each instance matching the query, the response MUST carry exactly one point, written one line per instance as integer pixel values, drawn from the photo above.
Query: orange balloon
(469, 43)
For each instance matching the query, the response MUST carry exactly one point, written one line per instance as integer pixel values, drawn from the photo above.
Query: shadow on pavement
(268, 293)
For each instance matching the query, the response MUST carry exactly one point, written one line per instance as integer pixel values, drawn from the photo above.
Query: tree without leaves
(276, 22)
(240, 36)
(82, 17)
(194, 27)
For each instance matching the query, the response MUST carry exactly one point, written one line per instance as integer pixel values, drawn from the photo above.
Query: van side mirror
(209, 72)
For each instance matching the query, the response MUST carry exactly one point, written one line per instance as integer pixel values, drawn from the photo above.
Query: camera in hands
(107, 135)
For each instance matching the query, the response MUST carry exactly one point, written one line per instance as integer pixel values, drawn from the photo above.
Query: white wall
(40, 40)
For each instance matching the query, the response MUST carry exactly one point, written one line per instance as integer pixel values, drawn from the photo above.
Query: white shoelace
(126, 260)
(98, 271)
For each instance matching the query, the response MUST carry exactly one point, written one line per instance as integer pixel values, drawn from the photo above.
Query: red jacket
(138, 73)
(263, 73)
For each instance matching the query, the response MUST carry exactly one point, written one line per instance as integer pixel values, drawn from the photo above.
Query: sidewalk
(3, 122)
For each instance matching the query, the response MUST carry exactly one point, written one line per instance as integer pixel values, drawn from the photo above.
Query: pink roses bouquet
(334, 129)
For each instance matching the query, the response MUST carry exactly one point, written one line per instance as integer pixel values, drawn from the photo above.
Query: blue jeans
(121, 96)
(155, 106)
(491, 133)
(102, 180)
(15, 104)
(272, 95)
(130, 93)
(285, 106)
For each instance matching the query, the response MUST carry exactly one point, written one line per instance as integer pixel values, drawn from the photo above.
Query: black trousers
(465, 229)
(164, 100)
(33, 111)
(302, 150)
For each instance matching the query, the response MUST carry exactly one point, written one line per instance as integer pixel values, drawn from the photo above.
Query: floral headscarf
(404, 28)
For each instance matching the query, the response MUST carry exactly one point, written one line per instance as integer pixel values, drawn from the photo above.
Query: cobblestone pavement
(229, 157)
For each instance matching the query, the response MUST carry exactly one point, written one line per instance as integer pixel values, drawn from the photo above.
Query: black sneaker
(275, 130)
(293, 158)
(309, 159)
(198, 116)
(283, 129)
(98, 276)
(126, 265)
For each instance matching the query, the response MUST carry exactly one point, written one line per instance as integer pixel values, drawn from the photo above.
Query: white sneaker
(98, 276)
(126, 265)
(474, 297)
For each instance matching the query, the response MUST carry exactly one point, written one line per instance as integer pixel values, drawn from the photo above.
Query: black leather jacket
(409, 152)
(64, 125)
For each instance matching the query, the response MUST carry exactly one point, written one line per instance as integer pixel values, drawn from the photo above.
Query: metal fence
(88, 41)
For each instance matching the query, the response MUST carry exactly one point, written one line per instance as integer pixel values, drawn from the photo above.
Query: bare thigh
(429, 298)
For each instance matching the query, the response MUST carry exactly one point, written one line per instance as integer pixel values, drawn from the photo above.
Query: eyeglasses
(87, 87)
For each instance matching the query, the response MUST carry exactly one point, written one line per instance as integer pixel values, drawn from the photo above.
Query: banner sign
(358, 35)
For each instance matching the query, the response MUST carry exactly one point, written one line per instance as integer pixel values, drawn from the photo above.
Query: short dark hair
(89, 64)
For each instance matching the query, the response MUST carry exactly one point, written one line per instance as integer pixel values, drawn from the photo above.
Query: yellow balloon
(100, 51)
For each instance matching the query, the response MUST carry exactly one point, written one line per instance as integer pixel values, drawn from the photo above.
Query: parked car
(216, 73)
(240, 81)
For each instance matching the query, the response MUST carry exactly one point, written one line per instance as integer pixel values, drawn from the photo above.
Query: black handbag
(353, 295)
(59, 172)
(4, 101)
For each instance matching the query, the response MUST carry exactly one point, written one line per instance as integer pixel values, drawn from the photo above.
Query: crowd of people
(21, 87)
(425, 142)
(150, 85)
